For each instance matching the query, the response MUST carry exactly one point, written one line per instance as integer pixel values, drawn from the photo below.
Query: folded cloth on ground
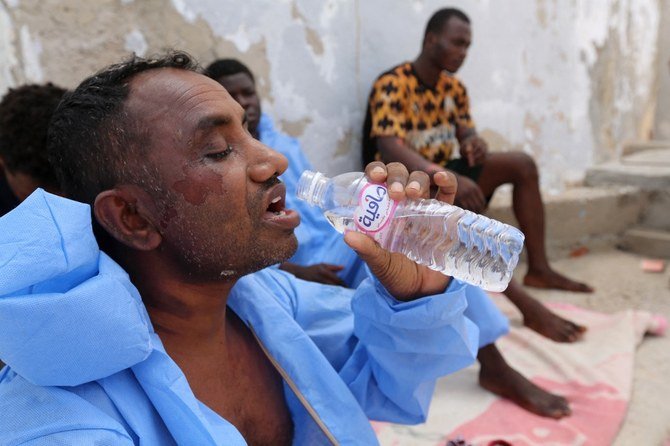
(595, 375)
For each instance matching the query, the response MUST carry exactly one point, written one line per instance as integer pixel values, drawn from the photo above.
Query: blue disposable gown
(318, 242)
(84, 365)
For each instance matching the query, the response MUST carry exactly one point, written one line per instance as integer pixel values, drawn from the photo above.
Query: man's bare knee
(524, 165)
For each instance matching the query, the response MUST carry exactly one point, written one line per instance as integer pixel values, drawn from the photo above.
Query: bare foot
(498, 377)
(537, 317)
(554, 280)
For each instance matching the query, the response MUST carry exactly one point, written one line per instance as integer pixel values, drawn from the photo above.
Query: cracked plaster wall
(662, 129)
(566, 81)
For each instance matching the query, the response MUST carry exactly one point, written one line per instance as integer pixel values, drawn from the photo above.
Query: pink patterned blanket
(595, 375)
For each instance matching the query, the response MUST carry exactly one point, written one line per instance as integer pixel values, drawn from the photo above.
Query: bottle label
(375, 211)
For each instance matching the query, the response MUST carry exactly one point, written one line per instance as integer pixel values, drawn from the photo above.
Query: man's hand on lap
(474, 150)
(325, 273)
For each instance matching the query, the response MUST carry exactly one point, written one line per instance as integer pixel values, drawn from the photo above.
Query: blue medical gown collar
(69, 315)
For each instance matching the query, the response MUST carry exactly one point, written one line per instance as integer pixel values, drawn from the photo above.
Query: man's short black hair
(438, 20)
(93, 142)
(227, 67)
(24, 120)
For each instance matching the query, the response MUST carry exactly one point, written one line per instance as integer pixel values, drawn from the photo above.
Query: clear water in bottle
(471, 247)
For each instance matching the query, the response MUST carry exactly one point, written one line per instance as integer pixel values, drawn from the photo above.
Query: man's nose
(243, 101)
(266, 164)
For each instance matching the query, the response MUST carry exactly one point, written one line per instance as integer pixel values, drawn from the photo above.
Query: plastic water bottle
(471, 247)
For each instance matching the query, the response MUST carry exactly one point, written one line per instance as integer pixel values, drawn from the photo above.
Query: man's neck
(426, 70)
(185, 315)
(225, 366)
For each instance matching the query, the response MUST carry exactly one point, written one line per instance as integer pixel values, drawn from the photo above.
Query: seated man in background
(24, 166)
(418, 112)
(319, 242)
(24, 118)
(8, 200)
(340, 265)
(166, 337)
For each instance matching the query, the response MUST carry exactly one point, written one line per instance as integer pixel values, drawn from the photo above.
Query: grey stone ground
(621, 284)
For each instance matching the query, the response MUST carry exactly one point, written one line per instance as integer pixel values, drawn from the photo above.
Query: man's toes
(584, 288)
(557, 407)
(567, 336)
(561, 412)
(563, 408)
(573, 331)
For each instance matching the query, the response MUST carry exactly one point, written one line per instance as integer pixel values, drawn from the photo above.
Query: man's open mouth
(277, 206)
(276, 211)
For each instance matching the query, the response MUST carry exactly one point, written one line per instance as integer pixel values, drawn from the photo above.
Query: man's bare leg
(520, 170)
(496, 376)
(537, 317)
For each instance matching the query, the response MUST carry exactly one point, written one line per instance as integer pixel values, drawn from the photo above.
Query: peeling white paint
(31, 49)
(136, 43)
(183, 8)
(555, 42)
(319, 89)
(240, 38)
(7, 54)
(534, 73)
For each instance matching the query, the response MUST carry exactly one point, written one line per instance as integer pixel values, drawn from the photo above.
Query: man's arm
(393, 149)
(320, 272)
(472, 147)
(80, 436)
(402, 348)
(388, 353)
(406, 330)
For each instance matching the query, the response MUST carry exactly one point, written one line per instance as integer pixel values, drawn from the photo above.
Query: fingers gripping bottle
(471, 247)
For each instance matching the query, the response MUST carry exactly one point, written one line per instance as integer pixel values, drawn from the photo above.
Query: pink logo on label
(375, 209)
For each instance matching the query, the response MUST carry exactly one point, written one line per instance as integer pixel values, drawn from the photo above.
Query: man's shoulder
(398, 72)
(453, 81)
(269, 135)
(35, 414)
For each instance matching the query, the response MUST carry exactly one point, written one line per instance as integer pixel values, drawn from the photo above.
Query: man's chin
(290, 247)
(281, 251)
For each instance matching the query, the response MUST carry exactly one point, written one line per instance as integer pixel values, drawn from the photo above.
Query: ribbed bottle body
(471, 247)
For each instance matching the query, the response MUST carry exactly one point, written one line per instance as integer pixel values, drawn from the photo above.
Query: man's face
(450, 46)
(242, 88)
(216, 199)
(23, 184)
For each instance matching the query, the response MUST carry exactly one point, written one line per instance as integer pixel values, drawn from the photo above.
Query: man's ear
(118, 212)
(429, 40)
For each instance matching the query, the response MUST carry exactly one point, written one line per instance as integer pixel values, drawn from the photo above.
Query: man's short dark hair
(24, 120)
(438, 20)
(227, 67)
(93, 142)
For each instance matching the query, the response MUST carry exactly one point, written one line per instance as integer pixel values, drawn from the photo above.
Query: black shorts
(460, 166)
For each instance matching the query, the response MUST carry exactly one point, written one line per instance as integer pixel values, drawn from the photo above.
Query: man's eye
(220, 155)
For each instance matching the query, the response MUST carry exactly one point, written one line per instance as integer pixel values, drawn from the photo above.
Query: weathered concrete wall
(564, 80)
(662, 129)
